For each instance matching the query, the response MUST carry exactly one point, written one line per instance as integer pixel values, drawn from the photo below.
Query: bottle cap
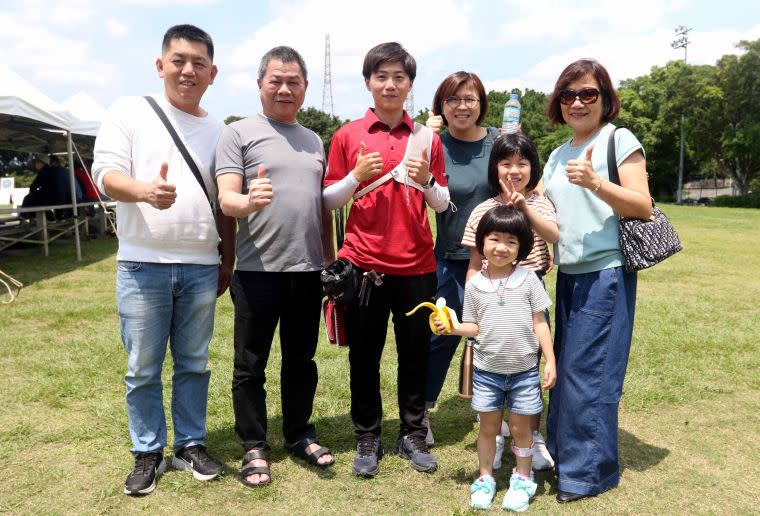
(513, 95)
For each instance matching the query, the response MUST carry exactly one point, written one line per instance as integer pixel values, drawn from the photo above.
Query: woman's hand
(367, 165)
(581, 172)
(550, 375)
(434, 122)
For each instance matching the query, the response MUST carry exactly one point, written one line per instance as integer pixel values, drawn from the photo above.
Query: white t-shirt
(503, 311)
(134, 141)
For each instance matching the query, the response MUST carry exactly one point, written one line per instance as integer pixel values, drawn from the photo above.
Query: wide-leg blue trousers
(594, 325)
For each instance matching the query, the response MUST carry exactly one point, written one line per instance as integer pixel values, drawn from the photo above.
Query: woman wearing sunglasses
(595, 295)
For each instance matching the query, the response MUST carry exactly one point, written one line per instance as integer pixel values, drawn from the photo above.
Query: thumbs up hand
(419, 168)
(581, 171)
(367, 165)
(159, 193)
(259, 190)
(434, 122)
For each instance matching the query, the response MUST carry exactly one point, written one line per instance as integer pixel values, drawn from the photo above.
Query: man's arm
(236, 204)
(226, 226)
(160, 194)
(328, 248)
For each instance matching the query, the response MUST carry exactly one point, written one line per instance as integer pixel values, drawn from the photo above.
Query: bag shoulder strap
(612, 168)
(421, 137)
(178, 142)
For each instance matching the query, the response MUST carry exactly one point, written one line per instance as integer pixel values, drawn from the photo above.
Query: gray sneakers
(369, 450)
(414, 448)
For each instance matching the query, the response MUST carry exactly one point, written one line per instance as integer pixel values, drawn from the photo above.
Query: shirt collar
(484, 284)
(370, 119)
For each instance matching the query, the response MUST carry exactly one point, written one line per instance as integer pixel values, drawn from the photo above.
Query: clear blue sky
(108, 49)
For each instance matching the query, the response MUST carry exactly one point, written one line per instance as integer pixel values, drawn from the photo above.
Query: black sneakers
(196, 459)
(414, 448)
(142, 480)
(369, 450)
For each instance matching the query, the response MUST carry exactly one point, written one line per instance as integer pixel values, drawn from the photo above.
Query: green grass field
(689, 423)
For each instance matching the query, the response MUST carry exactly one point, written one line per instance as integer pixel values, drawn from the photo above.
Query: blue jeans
(594, 325)
(159, 302)
(522, 392)
(451, 278)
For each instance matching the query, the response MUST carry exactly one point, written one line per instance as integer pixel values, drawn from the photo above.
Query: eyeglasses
(455, 102)
(585, 95)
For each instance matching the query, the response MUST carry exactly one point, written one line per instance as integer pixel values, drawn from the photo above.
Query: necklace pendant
(501, 303)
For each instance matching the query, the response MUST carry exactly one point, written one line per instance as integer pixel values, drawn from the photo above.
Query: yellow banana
(445, 314)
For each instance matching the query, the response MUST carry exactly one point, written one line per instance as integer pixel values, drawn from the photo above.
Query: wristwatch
(430, 183)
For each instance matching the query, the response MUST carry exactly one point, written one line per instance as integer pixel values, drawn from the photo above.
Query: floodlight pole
(681, 41)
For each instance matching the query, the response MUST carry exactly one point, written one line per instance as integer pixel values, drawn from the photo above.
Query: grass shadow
(637, 455)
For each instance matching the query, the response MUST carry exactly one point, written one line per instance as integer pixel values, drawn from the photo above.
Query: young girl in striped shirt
(504, 309)
(513, 174)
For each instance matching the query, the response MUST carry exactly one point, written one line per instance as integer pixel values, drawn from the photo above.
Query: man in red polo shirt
(388, 232)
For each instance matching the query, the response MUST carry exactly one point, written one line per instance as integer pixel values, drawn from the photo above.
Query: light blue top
(588, 228)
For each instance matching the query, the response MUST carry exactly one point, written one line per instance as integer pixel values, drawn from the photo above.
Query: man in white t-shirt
(169, 269)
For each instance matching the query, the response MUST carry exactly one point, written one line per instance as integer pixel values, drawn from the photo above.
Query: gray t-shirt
(503, 311)
(285, 236)
(467, 176)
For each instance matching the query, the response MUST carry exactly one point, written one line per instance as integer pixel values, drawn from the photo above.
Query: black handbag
(644, 243)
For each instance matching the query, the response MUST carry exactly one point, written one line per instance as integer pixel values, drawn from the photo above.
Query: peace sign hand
(512, 196)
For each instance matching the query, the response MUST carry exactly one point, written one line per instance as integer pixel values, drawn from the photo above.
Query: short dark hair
(285, 55)
(507, 145)
(188, 33)
(575, 71)
(387, 53)
(506, 219)
(451, 84)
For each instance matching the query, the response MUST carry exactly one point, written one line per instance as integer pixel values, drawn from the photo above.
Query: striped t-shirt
(503, 311)
(538, 259)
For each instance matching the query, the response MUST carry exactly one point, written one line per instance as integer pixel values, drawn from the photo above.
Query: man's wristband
(598, 186)
(430, 183)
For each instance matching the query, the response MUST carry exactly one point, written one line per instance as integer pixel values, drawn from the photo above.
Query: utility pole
(327, 96)
(681, 41)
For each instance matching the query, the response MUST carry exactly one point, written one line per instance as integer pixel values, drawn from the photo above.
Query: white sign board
(6, 188)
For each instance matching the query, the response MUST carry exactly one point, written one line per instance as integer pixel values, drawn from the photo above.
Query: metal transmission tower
(409, 103)
(681, 41)
(327, 96)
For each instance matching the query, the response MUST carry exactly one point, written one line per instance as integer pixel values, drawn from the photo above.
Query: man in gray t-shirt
(270, 171)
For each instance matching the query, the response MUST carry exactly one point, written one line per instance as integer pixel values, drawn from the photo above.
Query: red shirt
(383, 231)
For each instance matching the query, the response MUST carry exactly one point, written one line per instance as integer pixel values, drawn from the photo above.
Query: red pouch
(335, 322)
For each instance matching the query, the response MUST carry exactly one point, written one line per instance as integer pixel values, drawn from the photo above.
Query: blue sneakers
(482, 492)
(521, 491)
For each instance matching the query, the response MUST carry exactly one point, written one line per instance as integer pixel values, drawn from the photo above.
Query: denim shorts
(521, 390)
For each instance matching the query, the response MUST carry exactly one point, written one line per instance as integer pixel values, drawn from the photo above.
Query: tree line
(720, 103)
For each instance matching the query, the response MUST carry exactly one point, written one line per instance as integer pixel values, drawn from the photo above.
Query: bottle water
(511, 119)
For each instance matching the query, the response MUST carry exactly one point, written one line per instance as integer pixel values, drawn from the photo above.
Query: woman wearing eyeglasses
(460, 102)
(595, 295)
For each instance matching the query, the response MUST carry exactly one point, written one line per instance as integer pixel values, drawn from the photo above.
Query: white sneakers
(499, 452)
(542, 461)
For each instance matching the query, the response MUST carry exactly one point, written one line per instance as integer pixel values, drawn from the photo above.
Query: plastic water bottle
(511, 119)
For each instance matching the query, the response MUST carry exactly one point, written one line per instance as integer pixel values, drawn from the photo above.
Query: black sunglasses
(585, 95)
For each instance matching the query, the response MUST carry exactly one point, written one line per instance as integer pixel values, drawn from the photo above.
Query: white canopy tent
(32, 122)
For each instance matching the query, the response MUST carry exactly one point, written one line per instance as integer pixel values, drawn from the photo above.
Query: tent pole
(73, 196)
